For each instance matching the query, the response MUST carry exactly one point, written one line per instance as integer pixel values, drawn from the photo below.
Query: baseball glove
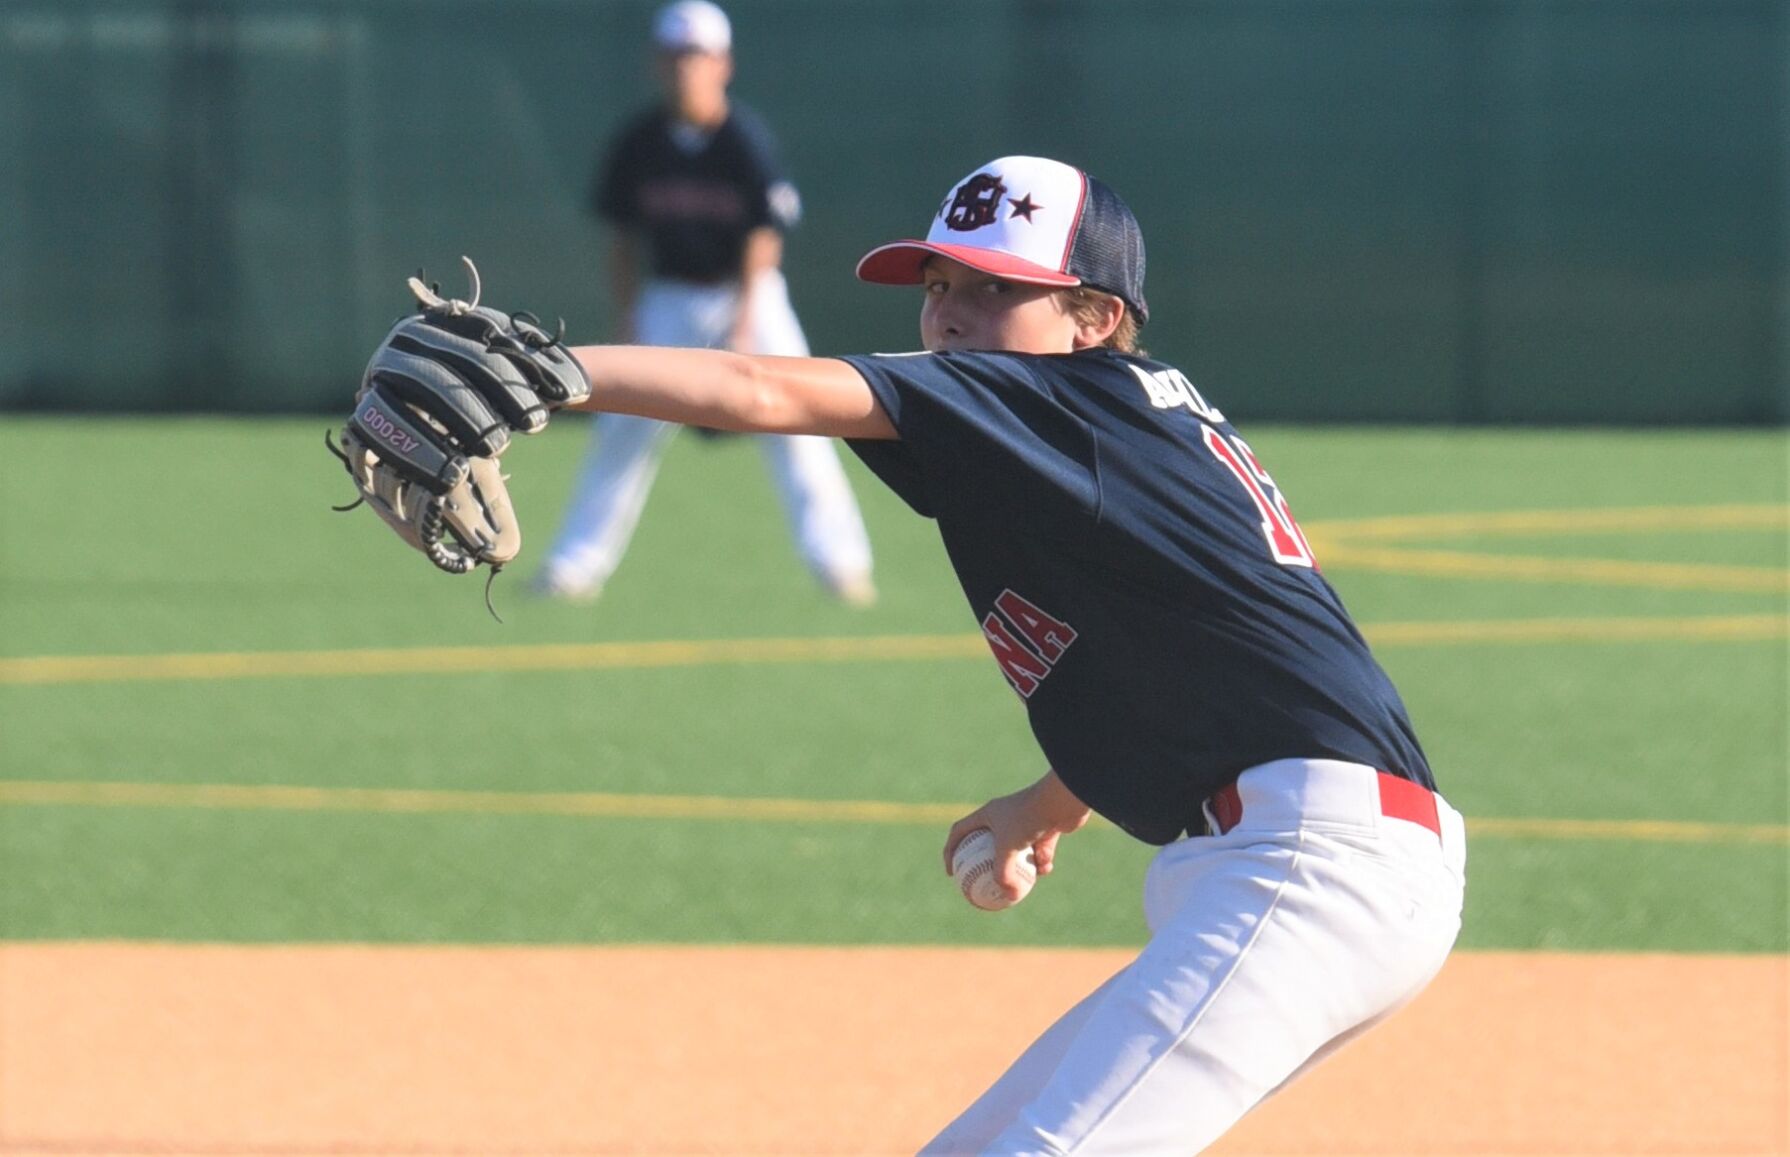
(436, 408)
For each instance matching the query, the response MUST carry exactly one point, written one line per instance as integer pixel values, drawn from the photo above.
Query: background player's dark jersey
(695, 206)
(1137, 576)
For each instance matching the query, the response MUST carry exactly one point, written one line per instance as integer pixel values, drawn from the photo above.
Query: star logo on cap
(1022, 207)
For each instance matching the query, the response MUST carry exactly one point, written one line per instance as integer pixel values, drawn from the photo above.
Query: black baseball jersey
(695, 196)
(1137, 574)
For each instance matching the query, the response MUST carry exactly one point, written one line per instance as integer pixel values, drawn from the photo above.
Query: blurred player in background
(694, 189)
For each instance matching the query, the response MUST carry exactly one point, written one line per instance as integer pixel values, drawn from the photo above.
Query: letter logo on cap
(977, 203)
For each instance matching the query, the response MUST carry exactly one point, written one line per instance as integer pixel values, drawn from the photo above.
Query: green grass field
(1615, 733)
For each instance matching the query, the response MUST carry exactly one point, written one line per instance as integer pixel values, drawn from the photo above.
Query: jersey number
(1286, 542)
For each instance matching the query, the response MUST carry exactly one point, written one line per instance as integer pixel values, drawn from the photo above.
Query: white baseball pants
(1271, 946)
(623, 459)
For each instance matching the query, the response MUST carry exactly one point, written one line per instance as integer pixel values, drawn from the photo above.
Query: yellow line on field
(462, 660)
(57, 669)
(1595, 520)
(1604, 572)
(245, 797)
(1648, 831)
(415, 800)
(1367, 544)
(1739, 628)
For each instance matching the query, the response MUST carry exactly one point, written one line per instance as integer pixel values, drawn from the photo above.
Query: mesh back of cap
(1108, 253)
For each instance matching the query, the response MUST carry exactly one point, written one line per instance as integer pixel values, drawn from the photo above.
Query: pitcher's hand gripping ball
(436, 408)
(973, 867)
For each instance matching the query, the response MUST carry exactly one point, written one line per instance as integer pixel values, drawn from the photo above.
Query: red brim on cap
(899, 263)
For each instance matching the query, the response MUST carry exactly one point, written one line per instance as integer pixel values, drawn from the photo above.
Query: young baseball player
(1187, 670)
(693, 188)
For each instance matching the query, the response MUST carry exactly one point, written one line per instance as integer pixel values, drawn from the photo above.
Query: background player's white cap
(692, 26)
(1028, 219)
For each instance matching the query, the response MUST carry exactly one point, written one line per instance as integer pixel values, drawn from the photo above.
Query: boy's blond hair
(1088, 306)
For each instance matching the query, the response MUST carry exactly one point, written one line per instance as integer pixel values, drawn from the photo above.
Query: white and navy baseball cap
(692, 26)
(1033, 220)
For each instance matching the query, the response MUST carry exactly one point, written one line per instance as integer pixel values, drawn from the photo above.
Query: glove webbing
(432, 529)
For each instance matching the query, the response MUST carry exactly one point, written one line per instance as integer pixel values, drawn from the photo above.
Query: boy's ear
(1093, 326)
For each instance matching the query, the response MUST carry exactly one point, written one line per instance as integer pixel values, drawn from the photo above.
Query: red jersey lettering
(1049, 636)
(1286, 542)
(1022, 668)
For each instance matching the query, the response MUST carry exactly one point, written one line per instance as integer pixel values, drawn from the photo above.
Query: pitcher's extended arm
(748, 393)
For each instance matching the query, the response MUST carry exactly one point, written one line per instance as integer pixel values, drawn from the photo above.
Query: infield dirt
(159, 1049)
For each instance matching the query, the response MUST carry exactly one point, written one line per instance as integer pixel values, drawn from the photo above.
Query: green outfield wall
(1379, 210)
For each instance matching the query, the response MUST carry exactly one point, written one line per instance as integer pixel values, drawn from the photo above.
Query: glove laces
(430, 298)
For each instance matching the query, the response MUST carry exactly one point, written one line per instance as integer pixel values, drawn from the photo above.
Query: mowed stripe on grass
(268, 797)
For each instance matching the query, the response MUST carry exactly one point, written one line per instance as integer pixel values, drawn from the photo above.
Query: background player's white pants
(619, 468)
(1271, 947)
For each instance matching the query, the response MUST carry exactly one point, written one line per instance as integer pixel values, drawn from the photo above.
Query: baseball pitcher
(1189, 674)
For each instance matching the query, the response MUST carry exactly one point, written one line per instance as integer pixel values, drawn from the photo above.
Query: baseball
(972, 866)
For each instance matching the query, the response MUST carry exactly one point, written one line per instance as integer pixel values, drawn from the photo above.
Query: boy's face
(966, 309)
(694, 80)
